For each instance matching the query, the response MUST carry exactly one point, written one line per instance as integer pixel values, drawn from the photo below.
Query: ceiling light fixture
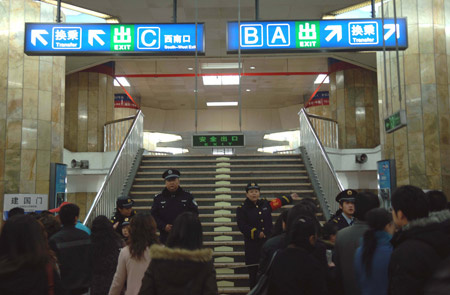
(122, 81)
(320, 78)
(219, 66)
(252, 68)
(190, 69)
(220, 80)
(222, 104)
(248, 90)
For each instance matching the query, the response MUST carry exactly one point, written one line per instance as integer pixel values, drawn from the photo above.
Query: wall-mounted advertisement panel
(317, 35)
(113, 39)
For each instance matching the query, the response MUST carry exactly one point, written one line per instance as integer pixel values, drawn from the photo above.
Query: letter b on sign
(251, 35)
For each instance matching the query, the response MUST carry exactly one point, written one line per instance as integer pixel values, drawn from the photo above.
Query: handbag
(261, 288)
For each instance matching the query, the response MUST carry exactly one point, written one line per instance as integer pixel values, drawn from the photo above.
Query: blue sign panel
(317, 35)
(113, 39)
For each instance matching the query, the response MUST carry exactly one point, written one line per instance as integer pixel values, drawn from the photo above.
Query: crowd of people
(362, 249)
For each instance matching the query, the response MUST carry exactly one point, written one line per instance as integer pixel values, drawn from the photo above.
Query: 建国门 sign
(113, 39)
(317, 35)
(29, 202)
(218, 140)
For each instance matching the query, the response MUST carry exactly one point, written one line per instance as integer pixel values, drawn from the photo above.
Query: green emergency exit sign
(395, 121)
(218, 140)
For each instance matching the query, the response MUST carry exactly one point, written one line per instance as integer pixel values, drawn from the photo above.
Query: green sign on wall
(395, 121)
(218, 140)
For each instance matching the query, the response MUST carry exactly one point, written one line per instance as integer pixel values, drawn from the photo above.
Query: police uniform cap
(171, 173)
(124, 202)
(346, 195)
(252, 185)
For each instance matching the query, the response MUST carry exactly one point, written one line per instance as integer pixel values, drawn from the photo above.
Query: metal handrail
(324, 171)
(105, 200)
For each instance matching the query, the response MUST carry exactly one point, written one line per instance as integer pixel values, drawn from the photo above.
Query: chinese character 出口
(307, 32)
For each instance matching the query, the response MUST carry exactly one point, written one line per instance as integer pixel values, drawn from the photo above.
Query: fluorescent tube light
(220, 80)
(122, 81)
(222, 104)
(320, 78)
(220, 66)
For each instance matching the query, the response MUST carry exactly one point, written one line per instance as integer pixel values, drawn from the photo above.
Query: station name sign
(317, 35)
(113, 39)
(218, 140)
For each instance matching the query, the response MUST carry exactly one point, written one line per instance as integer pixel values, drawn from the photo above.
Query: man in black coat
(73, 250)
(344, 216)
(170, 203)
(420, 245)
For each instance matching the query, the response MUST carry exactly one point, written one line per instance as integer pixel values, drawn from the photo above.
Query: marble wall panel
(44, 135)
(13, 133)
(31, 73)
(12, 170)
(45, 103)
(29, 134)
(14, 103)
(427, 68)
(43, 165)
(45, 75)
(2, 164)
(433, 161)
(28, 165)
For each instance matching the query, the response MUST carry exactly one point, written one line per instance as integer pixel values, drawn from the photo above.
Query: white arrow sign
(36, 34)
(93, 34)
(336, 30)
(391, 28)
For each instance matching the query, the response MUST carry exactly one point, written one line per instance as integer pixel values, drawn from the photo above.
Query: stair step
(187, 186)
(228, 178)
(233, 290)
(227, 277)
(223, 243)
(229, 265)
(222, 233)
(279, 192)
(198, 200)
(277, 172)
(235, 253)
(229, 160)
(259, 155)
(163, 168)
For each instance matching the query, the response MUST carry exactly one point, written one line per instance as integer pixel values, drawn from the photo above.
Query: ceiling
(266, 91)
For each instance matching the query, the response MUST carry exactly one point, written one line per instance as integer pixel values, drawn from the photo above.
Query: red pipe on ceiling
(222, 74)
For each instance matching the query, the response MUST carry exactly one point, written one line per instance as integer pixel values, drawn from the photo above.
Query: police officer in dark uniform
(254, 219)
(170, 203)
(124, 212)
(344, 216)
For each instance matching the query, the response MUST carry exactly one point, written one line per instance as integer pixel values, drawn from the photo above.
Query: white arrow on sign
(391, 28)
(336, 30)
(93, 34)
(36, 34)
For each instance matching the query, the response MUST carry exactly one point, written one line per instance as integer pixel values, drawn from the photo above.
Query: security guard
(344, 216)
(124, 212)
(171, 202)
(254, 219)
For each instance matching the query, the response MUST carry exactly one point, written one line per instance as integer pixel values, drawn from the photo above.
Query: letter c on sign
(145, 34)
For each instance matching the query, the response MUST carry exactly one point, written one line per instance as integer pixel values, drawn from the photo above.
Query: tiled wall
(84, 201)
(422, 148)
(31, 103)
(353, 104)
(89, 105)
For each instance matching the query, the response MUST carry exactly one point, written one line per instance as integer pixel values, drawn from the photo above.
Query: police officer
(170, 203)
(344, 216)
(124, 213)
(254, 219)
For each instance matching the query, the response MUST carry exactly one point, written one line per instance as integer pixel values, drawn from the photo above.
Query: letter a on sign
(278, 35)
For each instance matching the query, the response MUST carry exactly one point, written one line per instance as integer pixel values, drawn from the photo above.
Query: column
(422, 148)
(31, 103)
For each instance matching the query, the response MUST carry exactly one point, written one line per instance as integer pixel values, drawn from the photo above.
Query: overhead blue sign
(317, 35)
(113, 39)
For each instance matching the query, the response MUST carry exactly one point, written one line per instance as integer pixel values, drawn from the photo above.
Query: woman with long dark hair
(135, 257)
(106, 244)
(373, 256)
(184, 266)
(27, 266)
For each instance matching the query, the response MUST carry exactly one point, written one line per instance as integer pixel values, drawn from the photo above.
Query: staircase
(218, 186)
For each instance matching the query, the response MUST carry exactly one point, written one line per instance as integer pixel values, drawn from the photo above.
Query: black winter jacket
(419, 248)
(296, 271)
(73, 249)
(179, 271)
